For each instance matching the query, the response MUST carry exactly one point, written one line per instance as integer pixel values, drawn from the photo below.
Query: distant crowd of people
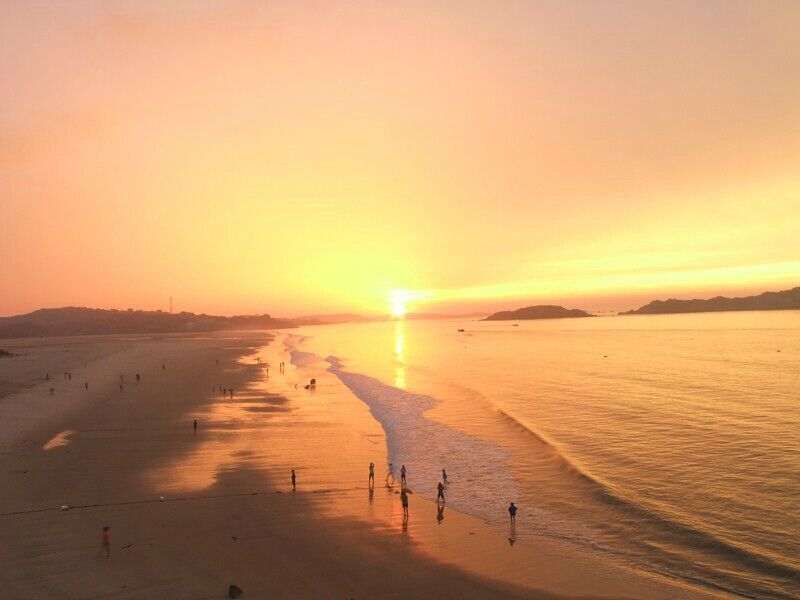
(311, 385)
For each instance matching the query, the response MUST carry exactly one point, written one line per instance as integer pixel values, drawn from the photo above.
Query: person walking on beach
(86, 385)
(194, 426)
(403, 476)
(106, 541)
(404, 502)
(294, 481)
(371, 474)
(138, 377)
(444, 476)
(69, 376)
(512, 511)
(440, 487)
(388, 475)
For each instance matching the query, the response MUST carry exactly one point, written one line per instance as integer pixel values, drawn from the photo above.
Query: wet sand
(229, 514)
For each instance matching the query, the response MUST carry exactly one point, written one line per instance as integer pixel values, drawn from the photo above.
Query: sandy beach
(228, 514)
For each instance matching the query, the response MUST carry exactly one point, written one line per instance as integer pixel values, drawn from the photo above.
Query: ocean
(668, 442)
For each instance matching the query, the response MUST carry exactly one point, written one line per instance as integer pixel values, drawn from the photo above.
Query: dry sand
(229, 515)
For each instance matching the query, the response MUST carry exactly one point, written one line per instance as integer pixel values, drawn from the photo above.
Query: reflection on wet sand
(399, 352)
(329, 438)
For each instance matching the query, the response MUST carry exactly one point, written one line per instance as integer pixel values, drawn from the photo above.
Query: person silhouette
(388, 475)
(194, 426)
(512, 511)
(294, 481)
(106, 541)
(440, 487)
(404, 502)
(371, 474)
(403, 475)
(444, 476)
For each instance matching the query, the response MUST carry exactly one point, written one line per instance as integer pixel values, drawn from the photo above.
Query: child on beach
(512, 510)
(388, 475)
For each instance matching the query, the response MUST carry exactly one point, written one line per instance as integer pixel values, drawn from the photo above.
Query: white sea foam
(479, 481)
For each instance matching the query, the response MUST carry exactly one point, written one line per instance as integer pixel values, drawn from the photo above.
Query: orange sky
(307, 157)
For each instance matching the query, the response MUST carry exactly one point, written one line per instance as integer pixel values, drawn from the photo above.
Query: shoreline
(228, 515)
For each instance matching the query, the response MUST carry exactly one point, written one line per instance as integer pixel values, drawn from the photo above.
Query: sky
(316, 157)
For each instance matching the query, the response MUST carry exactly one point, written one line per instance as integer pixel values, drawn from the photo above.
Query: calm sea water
(671, 442)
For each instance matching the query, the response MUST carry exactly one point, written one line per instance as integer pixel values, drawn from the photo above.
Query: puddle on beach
(60, 439)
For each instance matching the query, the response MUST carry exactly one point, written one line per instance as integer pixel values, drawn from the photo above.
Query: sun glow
(399, 301)
(398, 309)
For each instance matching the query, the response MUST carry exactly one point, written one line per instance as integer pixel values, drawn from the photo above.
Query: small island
(542, 311)
(785, 300)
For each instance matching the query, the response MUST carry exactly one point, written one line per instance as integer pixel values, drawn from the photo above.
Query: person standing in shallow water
(194, 426)
(404, 501)
(512, 511)
(371, 474)
(403, 475)
(294, 481)
(440, 495)
(444, 476)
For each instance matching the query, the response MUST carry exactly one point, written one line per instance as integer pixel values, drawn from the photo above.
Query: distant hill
(544, 311)
(785, 300)
(353, 318)
(330, 319)
(94, 321)
(433, 316)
